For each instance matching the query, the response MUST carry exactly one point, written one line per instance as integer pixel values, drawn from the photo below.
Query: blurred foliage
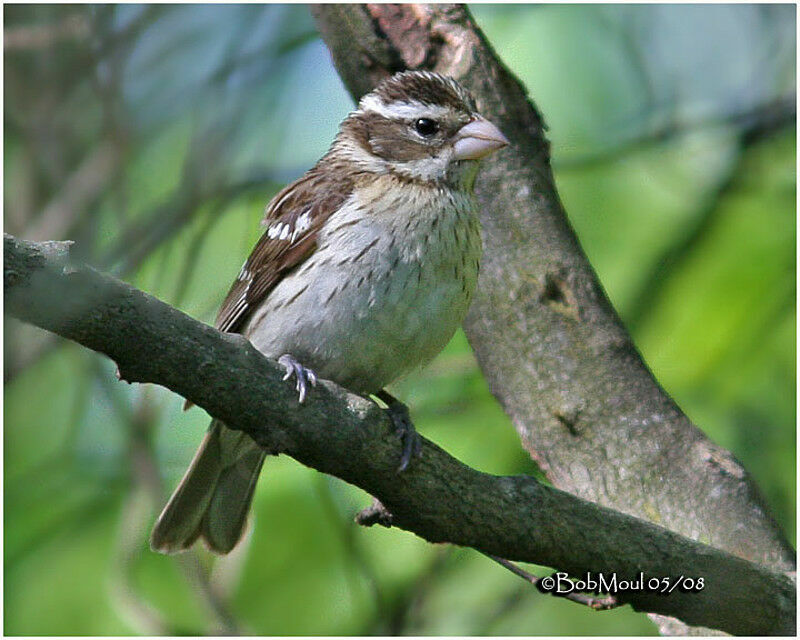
(154, 135)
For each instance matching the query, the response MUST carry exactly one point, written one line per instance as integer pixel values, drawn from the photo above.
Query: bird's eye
(426, 127)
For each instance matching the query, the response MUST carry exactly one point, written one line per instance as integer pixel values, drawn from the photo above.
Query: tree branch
(438, 498)
(753, 125)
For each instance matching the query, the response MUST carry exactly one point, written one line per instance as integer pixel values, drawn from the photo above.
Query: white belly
(363, 323)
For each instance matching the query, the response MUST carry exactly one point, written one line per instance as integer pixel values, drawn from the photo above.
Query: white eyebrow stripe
(402, 110)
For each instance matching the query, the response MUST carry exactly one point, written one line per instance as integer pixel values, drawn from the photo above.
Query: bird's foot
(304, 376)
(398, 412)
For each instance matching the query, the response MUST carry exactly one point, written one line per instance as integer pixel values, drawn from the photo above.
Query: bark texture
(438, 498)
(551, 346)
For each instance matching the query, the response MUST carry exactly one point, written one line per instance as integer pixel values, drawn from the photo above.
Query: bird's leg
(409, 437)
(304, 376)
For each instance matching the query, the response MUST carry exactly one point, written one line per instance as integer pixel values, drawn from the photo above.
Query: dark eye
(426, 127)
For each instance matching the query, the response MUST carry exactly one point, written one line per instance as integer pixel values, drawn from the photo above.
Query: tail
(214, 496)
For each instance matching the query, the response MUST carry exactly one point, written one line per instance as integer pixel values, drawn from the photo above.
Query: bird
(366, 267)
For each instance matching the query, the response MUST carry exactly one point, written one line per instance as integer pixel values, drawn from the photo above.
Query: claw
(303, 375)
(412, 445)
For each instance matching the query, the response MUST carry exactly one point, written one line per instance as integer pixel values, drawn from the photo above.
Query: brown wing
(292, 220)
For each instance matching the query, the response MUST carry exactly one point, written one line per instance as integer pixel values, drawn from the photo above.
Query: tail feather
(213, 498)
(226, 514)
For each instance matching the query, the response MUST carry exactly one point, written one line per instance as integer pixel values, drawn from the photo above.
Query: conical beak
(477, 139)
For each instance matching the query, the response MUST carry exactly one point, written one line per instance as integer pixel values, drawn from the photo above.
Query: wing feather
(292, 221)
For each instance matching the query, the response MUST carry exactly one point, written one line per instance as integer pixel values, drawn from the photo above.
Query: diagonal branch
(438, 498)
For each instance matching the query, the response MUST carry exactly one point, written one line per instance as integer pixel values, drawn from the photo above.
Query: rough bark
(438, 498)
(547, 339)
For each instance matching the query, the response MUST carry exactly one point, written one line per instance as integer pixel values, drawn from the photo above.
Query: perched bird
(366, 268)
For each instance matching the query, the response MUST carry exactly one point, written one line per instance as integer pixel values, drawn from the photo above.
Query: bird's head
(422, 127)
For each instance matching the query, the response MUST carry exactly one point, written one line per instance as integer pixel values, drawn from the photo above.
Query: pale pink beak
(477, 139)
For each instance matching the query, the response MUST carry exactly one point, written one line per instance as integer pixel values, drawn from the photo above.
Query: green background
(674, 153)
